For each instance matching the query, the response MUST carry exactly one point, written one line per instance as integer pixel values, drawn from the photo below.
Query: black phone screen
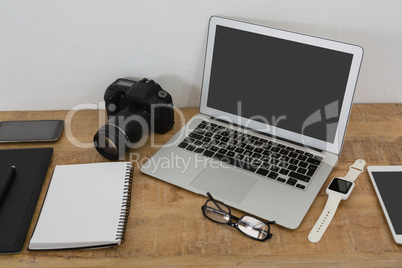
(29, 131)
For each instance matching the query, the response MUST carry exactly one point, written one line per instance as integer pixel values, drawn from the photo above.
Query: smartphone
(387, 182)
(30, 131)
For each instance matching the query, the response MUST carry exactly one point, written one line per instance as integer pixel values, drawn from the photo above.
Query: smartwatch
(339, 189)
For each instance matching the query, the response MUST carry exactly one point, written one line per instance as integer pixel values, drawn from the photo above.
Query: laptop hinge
(267, 135)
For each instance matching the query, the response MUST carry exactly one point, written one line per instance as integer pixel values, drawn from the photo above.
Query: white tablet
(387, 182)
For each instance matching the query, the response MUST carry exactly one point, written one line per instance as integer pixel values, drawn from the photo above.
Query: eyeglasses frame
(236, 219)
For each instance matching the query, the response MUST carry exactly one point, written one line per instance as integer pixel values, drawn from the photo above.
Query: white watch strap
(355, 170)
(332, 203)
(325, 218)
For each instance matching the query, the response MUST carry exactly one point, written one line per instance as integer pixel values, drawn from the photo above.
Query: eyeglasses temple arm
(216, 203)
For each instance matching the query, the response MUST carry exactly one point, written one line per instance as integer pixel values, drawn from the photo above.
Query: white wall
(57, 54)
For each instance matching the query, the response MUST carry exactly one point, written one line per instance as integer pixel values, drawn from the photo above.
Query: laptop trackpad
(225, 183)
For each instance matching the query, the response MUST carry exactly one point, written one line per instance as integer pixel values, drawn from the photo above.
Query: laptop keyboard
(273, 160)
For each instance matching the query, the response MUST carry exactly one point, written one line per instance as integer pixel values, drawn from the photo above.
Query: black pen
(5, 185)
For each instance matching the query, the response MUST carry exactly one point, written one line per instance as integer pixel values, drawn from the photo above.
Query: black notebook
(19, 202)
(86, 206)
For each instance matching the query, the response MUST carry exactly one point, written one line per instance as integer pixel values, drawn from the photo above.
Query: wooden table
(166, 225)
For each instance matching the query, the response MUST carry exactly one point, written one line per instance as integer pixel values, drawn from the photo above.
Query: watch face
(340, 186)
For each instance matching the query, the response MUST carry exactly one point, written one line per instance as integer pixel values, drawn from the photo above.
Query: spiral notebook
(86, 206)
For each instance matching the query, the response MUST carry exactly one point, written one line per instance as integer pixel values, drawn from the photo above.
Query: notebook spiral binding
(125, 208)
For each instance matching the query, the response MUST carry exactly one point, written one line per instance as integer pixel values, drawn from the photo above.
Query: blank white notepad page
(82, 207)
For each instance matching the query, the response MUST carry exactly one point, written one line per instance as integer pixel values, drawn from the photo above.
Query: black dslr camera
(132, 108)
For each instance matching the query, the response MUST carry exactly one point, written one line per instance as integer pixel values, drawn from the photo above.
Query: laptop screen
(278, 81)
(289, 85)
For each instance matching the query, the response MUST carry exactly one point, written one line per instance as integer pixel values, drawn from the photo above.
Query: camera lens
(110, 142)
(110, 147)
(122, 131)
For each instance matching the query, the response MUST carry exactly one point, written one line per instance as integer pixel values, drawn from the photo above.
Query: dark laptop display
(273, 78)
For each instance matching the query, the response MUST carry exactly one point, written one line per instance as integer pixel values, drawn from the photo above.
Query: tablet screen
(389, 184)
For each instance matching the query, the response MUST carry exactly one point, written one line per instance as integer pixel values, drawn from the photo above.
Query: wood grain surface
(166, 225)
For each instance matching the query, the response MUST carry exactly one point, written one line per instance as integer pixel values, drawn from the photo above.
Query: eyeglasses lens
(253, 227)
(216, 213)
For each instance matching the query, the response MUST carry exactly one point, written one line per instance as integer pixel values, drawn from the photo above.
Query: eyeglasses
(250, 226)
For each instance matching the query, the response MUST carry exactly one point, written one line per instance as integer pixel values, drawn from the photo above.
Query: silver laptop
(273, 116)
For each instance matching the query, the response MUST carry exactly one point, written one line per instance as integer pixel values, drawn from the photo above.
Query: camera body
(132, 108)
(144, 97)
